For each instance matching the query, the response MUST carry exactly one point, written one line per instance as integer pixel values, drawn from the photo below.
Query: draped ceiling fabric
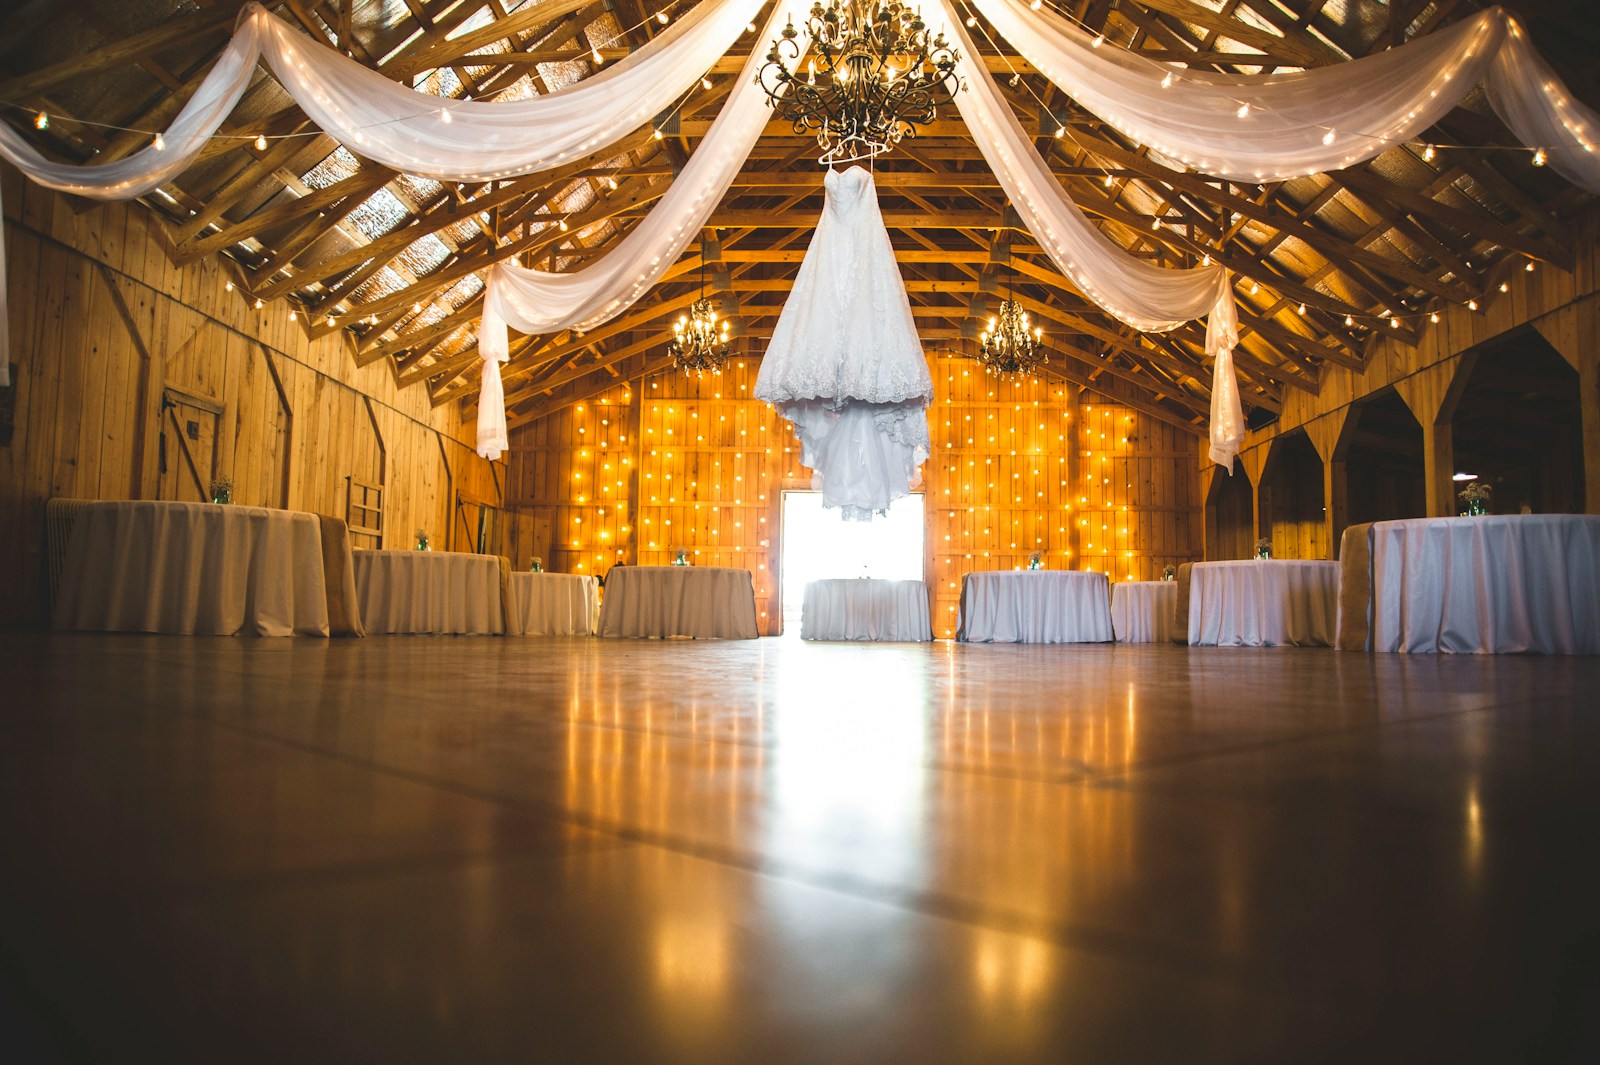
(1295, 123)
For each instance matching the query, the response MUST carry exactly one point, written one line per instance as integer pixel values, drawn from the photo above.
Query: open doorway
(819, 545)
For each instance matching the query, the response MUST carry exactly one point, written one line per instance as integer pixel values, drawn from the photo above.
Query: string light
(1244, 110)
(1428, 153)
(41, 121)
(227, 286)
(261, 142)
(705, 83)
(1434, 317)
(1302, 310)
(1348, 320)
(259, 304)
(1166, 82)
(1539, 158)
(1472, 305)
(661, 17)
(160, 143)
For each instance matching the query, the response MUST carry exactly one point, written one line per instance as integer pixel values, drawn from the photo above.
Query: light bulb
(445, 116)
(661, 17)
(1539, 157)
(705, 83)
(41, 121)
(1434, 317)
(1327, 138)
(1254, 288)
(261, 142)
(594, 54)
(1244, 110)
(1061, 131)
(416, 308)
(1394, 323)
(331, 321)
(1529, 267)
(1472, 305)
(1427, 153)
(259, 304)
(1349, 320)
(1302, 309)
(1098, 41)
(1166, 82)
(227, 286)
(160, 143)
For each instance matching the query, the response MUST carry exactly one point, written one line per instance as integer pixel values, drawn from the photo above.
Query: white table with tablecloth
(1141, 611)
(450, 592)
(703, 602)
(203, 569)
(552, 604)
(1035, 606)
(1263, 603)
(1499, 584)
(856, 608)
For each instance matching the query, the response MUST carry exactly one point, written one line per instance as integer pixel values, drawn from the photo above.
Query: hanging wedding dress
(844, 365)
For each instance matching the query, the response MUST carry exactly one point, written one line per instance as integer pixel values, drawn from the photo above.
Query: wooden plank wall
(671, 462)
(103, 326)
(1564, 306)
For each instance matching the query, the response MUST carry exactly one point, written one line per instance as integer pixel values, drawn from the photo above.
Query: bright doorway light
(819, 545)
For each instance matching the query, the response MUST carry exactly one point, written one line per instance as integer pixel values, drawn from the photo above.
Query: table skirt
(857, 609)
(1503, 584)
(193, 568)
(703, 602)
(448, 592)
(1035, 606)
(1142, 611)
(1263, 603)
(552, 604)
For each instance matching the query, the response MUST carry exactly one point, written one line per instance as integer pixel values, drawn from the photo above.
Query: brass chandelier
(1009, 347)
(698, 346)
(874, 74)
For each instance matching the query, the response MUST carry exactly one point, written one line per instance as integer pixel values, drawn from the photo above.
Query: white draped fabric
(1294, 123)
(1145, 296)
(539, 301)
(552, 604)
(1509, 584)
(1305, 122)
(416, 132)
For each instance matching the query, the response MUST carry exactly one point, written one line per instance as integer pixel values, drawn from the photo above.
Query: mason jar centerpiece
(222, 489)
(1263, 548)
(1475, 499)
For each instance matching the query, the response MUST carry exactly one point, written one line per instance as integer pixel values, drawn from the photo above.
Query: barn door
(188, 447)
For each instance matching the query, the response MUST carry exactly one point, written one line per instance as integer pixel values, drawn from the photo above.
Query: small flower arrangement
(680, 556)
(1264, 548)
(422, 540)
(1036, 560)
(537, 566)
(1475, 496)
(222, 488)
(1169, 572)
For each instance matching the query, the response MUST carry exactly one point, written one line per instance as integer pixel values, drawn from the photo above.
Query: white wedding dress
(844, 364)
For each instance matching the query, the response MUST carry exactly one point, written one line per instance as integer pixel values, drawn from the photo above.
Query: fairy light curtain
(1241, 127)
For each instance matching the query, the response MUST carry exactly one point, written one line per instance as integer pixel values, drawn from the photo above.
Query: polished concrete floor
(453, 849)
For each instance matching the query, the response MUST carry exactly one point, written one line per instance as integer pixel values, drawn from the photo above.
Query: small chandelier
(698, 346)
(1009, 348)
(863, 103)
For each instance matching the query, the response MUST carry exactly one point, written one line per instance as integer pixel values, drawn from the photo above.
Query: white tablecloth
(1496, 585)
(705, 602)
(1263, 603)
(153, 566)
(429, 591)
(1035, 606)
(1141, 611)
(552, 604)
(857, 609)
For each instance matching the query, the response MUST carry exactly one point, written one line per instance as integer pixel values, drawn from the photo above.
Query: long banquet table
(1263, 603)
(854, 608)
(204, 569)
(1035, 606)
(1142, 611)
(1500, 584)
(703, 602)
(449, 592)
(552, 604)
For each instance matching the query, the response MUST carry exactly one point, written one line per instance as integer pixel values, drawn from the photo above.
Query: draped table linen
(552, 604)
(1263, 603)
(444, 592)
(1037, 606)
(858, 609)
(193, 568)
(1505, 584)
(1142, 611)
(703, 602)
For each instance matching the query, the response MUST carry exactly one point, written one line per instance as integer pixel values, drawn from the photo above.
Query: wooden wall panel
(671, 462)
(103, 326)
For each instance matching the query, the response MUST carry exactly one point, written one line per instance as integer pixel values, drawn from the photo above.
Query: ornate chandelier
(698, 346)
(874, 74)
(1008, 348)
